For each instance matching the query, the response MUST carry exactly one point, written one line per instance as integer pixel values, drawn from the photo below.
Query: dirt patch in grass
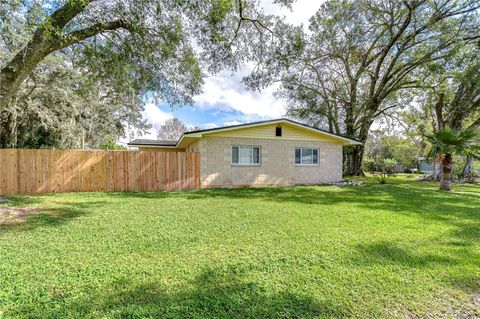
(450, 307)
(11, 215)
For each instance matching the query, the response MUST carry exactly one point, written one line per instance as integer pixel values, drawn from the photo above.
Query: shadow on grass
(407, 197)
(43, 217)
(406, 194)
(390, 253)
(213, 294)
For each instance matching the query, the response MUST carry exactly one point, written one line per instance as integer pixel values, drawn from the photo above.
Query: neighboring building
(275, 152)
(425, 166)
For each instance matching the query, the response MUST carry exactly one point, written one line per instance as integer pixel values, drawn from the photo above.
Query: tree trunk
(17, 70)
(353, 160)
(446, 181)
(467, 173)
(7, 131)
(437, 170)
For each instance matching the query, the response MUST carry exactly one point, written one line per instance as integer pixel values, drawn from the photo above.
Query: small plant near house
(380, 169)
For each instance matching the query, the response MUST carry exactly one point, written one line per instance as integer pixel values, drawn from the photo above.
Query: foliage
(362, 59)
(453, 98)
(77, 71)
(380, 169)
(112, 145)
(383, 146)
(146, 46)
(447, 142)
(451, 141)
(171, 130)
(296, 252)
(60, 106)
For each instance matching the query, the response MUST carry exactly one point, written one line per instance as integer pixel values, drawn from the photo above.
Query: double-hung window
(306, 156)
(245, 155)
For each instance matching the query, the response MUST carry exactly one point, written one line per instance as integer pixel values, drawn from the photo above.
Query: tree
(112, 145)
(453, 98)
(171, 130)
(361, 59)
(61, 105)
(146, 45)
(445, 143)
(399, 149)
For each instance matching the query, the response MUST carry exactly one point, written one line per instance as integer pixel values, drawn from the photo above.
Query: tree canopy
(63, 62)
(172, 130)
(361, 59)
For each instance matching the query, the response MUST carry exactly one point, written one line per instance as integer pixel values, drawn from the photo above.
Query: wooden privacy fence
(48, 171)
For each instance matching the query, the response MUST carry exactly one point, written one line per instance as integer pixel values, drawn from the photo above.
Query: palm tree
(447, 142)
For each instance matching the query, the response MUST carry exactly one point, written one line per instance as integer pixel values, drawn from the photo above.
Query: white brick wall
(277, 163)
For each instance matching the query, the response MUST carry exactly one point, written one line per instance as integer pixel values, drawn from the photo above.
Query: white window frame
(246, 164)
(301, 153)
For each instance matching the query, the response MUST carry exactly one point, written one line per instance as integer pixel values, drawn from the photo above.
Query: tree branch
(474, 124)
(82, 34)
(257, 23)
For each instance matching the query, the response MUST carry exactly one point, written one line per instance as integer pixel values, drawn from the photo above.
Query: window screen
(245, 154)
(306, 156)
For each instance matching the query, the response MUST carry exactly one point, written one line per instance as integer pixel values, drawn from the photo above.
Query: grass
(398, 250)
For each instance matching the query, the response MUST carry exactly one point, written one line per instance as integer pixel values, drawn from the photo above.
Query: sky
(225, 100)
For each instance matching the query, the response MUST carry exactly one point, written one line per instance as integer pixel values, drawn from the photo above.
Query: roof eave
(152, 146)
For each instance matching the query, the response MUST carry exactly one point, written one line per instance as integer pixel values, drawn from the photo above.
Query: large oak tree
(360, 58)
(159, 46)
(74, 72)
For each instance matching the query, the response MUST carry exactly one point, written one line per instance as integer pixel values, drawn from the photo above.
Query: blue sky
(215, 116)
(225, 100)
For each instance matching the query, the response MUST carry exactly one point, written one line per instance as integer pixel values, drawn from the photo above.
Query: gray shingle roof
(141, 141)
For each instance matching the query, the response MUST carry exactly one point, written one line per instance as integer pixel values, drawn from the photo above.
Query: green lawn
(398, 250)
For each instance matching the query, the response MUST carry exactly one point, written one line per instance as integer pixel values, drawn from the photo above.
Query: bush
(381, 170)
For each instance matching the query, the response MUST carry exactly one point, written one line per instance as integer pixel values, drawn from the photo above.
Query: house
(274, 152)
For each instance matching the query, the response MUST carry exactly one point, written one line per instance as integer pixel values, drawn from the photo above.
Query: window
(246, 155)
(278, 131)
(306, 156)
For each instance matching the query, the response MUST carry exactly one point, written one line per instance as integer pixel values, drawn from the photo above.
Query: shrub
(381, 169)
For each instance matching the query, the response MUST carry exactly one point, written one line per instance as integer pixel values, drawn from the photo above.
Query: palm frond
(448, 140)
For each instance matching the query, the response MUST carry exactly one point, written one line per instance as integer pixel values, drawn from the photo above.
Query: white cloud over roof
(225, 91)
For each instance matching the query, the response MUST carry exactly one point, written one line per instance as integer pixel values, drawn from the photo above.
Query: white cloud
(301, 11)
(155, 117)
(225, 91)
(232, 123)
(207, 126)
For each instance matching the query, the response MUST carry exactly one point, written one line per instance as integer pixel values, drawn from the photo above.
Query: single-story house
(273, 152)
